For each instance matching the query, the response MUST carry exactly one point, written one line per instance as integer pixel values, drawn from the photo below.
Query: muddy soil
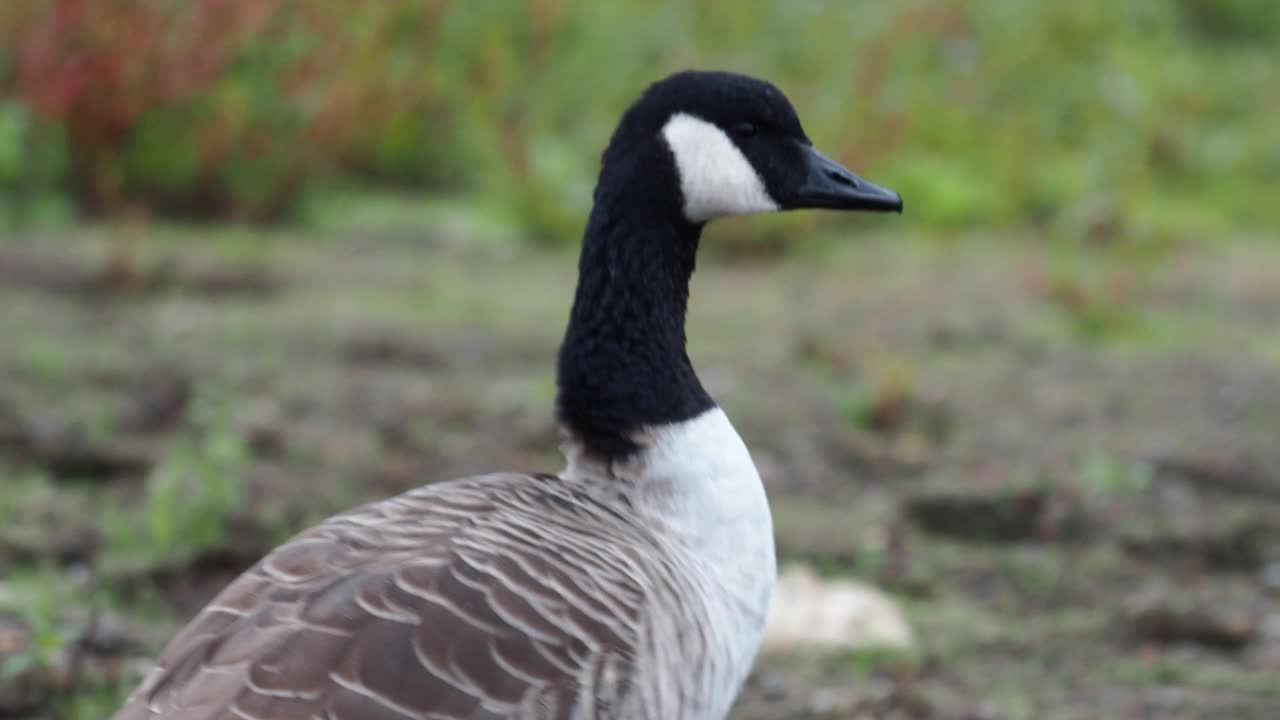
(1063, 463)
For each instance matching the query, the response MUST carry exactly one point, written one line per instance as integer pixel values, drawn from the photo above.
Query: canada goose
(632, 585)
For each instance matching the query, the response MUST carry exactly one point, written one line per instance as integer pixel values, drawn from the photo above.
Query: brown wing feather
(487, 598)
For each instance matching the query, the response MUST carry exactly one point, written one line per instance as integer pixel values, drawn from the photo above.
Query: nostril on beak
(842, 179)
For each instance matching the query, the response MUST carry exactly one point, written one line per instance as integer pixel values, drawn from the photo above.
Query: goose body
(633, 585)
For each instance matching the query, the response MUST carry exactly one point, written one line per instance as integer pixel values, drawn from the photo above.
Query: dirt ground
(1063, 461)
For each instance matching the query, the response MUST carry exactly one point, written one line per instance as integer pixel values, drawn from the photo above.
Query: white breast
(695, 484)
(716, 179)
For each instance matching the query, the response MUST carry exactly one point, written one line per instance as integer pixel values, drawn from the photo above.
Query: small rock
(835, 702)
(809, 612)
(1213, 618)
(112, 634)
(33, 544)
(160, 402)
(1271, 628)
(25, 687)
(1237, 544)
(263, 427)
(1216, 474)
(883, 692)
(773, 686)
(389, 349)
(999, 514)
(67, 452)
(1271, 575)
(15, 635)
(1165, 701)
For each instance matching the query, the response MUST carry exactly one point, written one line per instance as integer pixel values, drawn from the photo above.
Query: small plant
(881, 661)
(45, 358)
(1096, 308)
(1032, 570)
(1106, 475)
(39, 599)
(884, 404)
(190, 495)
(41, 646)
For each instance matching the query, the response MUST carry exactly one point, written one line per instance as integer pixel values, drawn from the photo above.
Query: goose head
(694, 147)
(735, 146)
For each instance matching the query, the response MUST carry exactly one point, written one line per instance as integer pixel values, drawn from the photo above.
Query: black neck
(623, 364)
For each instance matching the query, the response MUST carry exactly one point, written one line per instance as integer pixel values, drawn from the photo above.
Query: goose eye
(745, 129)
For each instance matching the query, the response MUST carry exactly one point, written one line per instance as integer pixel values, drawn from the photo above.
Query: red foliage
(96, 66)
(109, 61)
(100, 68)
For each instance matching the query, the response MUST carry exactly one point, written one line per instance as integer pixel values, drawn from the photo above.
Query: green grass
(1132, 125)
(880, 661)
(799, 351)
(45, 358)
(1106, 476)
(40, 597)
(56, 611)
(189, 498)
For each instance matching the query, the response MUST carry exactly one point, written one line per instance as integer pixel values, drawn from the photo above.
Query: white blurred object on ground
(809, 612)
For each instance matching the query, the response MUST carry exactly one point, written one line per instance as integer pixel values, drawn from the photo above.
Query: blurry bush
(204, 108)
(1101, 117)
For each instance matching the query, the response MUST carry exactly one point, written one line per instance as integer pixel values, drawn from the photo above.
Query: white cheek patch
(715, 177)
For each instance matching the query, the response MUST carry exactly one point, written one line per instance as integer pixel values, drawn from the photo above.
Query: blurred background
(261, 260)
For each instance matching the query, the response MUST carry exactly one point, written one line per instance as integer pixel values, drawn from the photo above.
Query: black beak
(829, 185)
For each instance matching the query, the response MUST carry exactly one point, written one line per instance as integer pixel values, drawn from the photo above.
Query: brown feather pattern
(503, 596)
